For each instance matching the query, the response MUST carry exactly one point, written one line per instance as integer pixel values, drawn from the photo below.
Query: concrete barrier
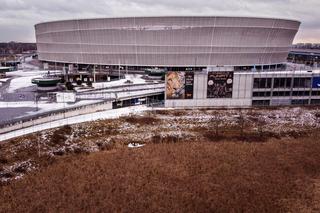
(49, 117)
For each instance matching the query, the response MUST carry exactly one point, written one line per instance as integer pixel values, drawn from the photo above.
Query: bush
(89, 83)
(165, 139)
(22, 168)
(6, 174)
(145, 120)
(69, 86)
(106, 145)
(212, 136)
(80, 150)
(3, 159)
(61, 134)
(79, 82)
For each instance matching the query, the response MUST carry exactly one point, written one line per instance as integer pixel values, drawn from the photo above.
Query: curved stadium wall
(167, 41)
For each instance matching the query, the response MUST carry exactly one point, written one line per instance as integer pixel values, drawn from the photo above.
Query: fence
(71, 112)
(53, 116)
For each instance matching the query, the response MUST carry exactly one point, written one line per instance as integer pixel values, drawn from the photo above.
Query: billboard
(179, 85)
(316, 82)
(219, 84)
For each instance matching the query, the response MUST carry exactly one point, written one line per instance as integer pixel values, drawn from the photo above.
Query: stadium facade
(167, 41)
(209, 61)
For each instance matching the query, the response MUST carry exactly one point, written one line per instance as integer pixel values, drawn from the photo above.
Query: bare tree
(260, 125)
(215, 123)
(38, 135)
(241, 123)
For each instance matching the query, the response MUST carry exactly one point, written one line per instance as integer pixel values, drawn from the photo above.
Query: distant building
(310, 57)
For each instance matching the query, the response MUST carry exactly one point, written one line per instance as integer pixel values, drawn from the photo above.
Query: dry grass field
(204, 161)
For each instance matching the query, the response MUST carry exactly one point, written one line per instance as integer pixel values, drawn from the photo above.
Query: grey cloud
(18, 17)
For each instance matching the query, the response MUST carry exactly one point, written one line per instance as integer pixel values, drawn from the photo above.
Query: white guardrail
(68, 113)
(54, 116)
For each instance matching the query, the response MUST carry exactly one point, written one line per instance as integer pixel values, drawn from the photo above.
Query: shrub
(69, 85)
(145, 120)
(165, 139)
(109, 145)
(60, 135)
(79, 82)
(89, 83)
(3, 159)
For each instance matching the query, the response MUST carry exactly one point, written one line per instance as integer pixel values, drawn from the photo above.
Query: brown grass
(142, 120)
(181, 168)
(176, 112)
(277, 176)
(167, 139)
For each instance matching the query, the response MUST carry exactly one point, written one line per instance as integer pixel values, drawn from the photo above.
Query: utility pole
(36, 100)
(94, 73)
(119, 69)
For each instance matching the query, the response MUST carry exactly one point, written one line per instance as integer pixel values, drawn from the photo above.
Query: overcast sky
(18, 17)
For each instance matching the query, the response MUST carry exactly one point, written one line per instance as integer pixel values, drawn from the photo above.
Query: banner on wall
(189, 79)
(220, 84)
(179, 85)
(316, 82)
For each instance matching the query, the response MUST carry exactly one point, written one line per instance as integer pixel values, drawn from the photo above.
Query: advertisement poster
(220, 85)
(179, 85)
(316, 82)
(189, 78)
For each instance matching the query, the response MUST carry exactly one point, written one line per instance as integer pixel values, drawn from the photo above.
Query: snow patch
(135, 145)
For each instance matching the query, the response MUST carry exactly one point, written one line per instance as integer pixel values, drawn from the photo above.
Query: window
(315, 93)
(302, 83)
(262, 83)
(300, 93)
(300, 102)
(282, 83)
(261, 94)
(260, 102)
(315, 101)
(281, 93)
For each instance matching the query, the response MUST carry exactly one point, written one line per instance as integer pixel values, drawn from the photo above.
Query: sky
(18, 17)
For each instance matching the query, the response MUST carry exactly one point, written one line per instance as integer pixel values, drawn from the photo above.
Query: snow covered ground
(20, 84)
(4, 80)
(134, 78)
(22, 79)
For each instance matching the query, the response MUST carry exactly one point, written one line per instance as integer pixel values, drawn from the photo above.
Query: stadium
(167, 41)
(209, 61)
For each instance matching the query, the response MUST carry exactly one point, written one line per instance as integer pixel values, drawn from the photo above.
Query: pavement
(6, 114)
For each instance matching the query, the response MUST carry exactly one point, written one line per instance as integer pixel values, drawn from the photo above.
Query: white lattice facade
(167, 41)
